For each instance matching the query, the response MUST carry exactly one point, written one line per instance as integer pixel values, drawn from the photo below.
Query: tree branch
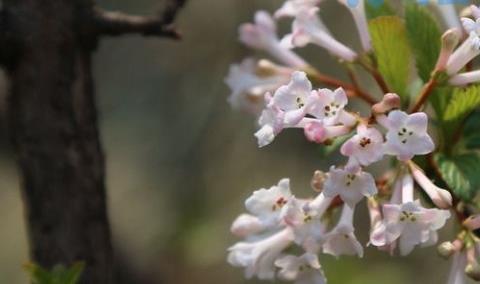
(118, 23)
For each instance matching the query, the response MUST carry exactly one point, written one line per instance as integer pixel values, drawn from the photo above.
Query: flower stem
(376, 76)
(424, 94)
(352, 90)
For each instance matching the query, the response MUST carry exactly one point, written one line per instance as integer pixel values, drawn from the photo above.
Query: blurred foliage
(424, 38)
(58, 275)
(392, 52)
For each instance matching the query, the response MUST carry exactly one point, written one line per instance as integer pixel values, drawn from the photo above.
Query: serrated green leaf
(378, 8)
(460, 173)
(392, 52)
(462, 102)
(424, 38)
(439, 99)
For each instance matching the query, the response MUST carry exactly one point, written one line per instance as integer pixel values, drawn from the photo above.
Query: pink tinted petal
(340, 96)
(293, 117)
(348, 147)
(397, 119)
(417, 122)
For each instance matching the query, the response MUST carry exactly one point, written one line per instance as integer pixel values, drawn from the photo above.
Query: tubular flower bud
(450, 40)
(389, 101)
(262, 34)
(439, 196)
(308, 28)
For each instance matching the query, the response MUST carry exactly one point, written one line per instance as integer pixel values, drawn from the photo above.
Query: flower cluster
(283, 96)
(277, 219)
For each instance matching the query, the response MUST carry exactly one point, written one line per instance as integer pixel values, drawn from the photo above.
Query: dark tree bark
(46, 48)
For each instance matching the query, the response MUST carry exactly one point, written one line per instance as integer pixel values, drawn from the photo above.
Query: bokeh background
(181, 161)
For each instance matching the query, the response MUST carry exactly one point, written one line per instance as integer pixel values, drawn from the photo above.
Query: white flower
(471, 25)
(411, 224)
(377, 226)
(351, 187)
(295, 98)
(329, 106)
(266, 204)
(249, 82)
(439, 196)
(258, 257)
(365, 147)
(468, 50)
(246, 225)
(263, 35)
(291, 8)
(308, 28)
(306, 224)
(341, 240)
(319, 205)
(407, 135)
(270, 121)
(304, 269)
(360, 18)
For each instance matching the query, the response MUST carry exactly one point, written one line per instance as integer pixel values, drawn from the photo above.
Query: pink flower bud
(450, 40)
(315, 132)
(439, 196)
(390, 101)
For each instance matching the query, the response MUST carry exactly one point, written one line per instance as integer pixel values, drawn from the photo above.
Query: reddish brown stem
(351, 90)
(424, 94)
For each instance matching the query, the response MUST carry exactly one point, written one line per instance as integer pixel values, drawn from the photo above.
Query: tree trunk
(53, 125)
(46, 47)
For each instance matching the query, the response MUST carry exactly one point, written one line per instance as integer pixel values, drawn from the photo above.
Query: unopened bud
(390, 101)
(450, 40)
(266, 68)
(473, 271)
(318, 180)
(446, 249)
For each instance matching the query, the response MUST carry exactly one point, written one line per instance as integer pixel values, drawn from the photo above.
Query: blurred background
(181, 162)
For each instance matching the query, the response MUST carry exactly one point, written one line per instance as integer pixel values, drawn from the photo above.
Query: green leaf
(37, 274)
(471, 136)
(462, 102)
(58, 275)
(424, 38)
(460, 173)
(392, 52)
(381, 8)
(336, 143)
(439, 99)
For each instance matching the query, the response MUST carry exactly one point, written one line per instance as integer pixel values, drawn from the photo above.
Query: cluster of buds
(282, 96)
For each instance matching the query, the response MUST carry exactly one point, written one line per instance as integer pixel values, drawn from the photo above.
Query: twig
(119, 23)
(376, 76)
(349, 88)
(424, 94)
